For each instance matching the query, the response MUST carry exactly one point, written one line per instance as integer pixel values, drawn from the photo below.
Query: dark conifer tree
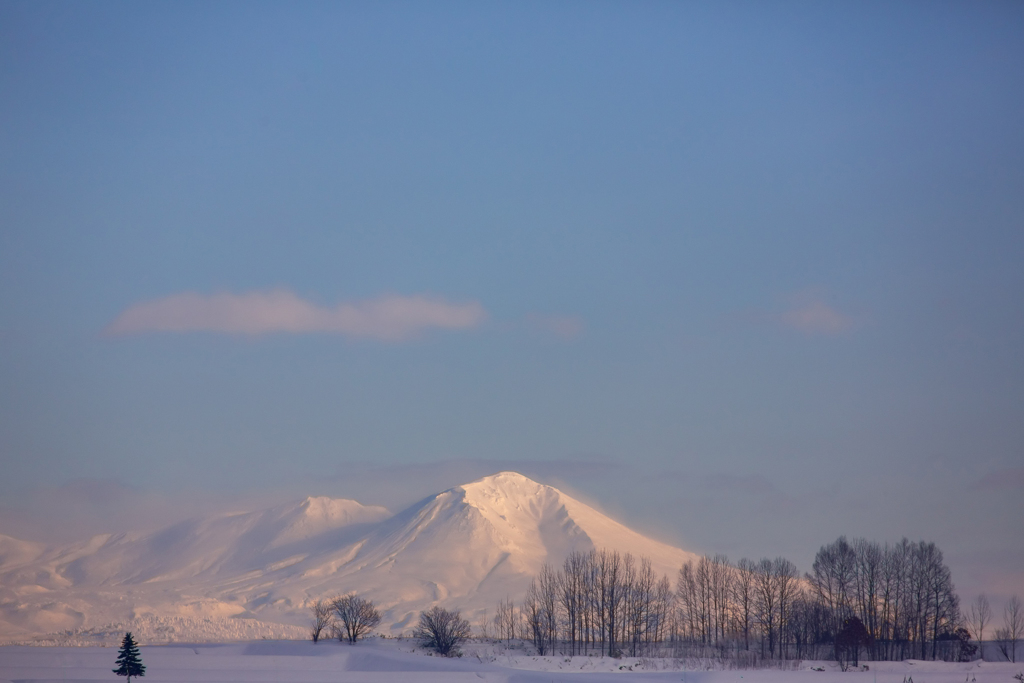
(129, 663)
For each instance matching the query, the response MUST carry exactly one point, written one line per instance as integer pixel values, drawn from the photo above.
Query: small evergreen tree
(849, 642)
(128, 661)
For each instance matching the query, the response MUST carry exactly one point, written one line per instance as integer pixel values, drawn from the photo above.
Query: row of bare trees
(903, 594)
(892, 601)
(720, 604)
(885, 602)
(861, 600)
(1007, 637)
(599, 601)
(345, 617)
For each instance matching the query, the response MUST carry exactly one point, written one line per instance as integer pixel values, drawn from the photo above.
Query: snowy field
(387, 660)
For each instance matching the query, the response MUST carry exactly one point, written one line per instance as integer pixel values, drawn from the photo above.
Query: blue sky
(747, 276)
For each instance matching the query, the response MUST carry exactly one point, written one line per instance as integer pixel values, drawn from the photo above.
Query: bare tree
(686, 601)
(743, 595)
(484, 623)
(323, 612)
(785, 577)
(627, 582)
(892, 630)
(357, 616)
(1013, 628)
(590, 600)
(571, 596)
(943, 605)
(981, 614)
(548, 582)
(639, 603)
(505, 620)
(532, 612)
(442, 630)
(867, 579)
(833, 580)
(767, 605)
(662, 608)
(609, 577)
(705, 599)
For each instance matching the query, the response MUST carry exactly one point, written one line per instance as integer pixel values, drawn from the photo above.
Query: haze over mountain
(467, 548)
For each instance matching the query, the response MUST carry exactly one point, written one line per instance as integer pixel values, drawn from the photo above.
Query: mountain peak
(506, 492)
(327, 512)
(325, 505)
(508, 482)
(319, 514)
(508, 475)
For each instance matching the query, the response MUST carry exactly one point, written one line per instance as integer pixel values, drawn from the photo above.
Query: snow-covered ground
(381, 660)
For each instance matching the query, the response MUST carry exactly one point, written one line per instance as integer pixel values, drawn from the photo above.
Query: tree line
(862, 599)
(598, 601)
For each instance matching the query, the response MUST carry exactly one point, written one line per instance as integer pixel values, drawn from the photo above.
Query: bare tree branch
(357, 616)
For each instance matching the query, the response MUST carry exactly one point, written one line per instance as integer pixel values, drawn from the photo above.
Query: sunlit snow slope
(203, 579)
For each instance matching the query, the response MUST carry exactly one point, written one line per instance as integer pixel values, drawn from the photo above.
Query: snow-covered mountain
(466, 548)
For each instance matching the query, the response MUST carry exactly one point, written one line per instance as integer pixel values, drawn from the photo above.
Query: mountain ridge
(466, 547)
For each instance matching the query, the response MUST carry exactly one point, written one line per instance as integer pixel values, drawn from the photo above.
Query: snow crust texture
(399, 661)
(253, 574)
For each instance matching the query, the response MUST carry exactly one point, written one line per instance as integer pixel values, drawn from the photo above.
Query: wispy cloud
(562, 326)
(1010, 478)
(390, 317)
(807, 311)
(816, 317)
(84, 507)
(742, 483)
